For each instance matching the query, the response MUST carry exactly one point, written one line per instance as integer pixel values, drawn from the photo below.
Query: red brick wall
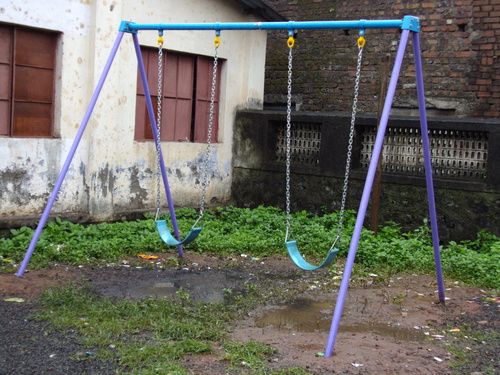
(460, 43)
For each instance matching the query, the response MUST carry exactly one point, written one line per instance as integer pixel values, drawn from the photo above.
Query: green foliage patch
(260, 232)
(149, 336)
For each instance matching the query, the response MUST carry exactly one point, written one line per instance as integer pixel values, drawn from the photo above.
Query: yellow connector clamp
(361, 42)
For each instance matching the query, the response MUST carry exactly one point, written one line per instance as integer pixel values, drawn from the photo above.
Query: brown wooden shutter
(178, 103)
(34, 65)
(178, 97)
(140, 102)
(142, 124)
(203, 85)
(5, 79)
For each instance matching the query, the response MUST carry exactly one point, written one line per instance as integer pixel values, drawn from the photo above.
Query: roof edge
(261, 9)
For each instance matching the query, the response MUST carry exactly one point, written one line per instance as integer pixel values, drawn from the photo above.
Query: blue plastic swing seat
(298, 259)
(170, 240)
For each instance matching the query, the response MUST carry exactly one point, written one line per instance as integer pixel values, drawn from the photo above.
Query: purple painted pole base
(428, 165)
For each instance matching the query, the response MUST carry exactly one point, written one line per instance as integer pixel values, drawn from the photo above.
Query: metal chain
(288, 136)
(158, 127)
(340, 225)
(209, 149)
(345, 186)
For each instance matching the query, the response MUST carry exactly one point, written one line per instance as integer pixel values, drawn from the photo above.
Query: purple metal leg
(152, 120)
(377, 149)
(428, 164)
(69, 158)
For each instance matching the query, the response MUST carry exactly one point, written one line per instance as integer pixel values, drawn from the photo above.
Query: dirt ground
(389, 326)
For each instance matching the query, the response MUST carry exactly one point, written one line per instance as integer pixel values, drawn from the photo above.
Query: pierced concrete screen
(305, 142)
(455, 153)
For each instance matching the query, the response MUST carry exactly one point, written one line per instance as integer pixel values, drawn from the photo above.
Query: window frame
(54, 40)
(142, 127)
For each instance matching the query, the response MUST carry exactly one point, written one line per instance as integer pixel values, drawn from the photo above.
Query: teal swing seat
(161, 224)
(291, 245)
(170, 240)
(299, 261)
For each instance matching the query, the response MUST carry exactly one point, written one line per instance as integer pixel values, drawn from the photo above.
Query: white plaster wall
(111, 172)
(29, 166)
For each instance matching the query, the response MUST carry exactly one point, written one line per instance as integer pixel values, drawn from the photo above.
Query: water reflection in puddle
(306, 315)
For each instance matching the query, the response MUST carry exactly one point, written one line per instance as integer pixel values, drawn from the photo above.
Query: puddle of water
(306, 315)
(397, 333)
(303, 315)
(208, 287)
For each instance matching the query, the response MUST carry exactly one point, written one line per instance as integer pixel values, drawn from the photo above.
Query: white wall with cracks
(111, 173)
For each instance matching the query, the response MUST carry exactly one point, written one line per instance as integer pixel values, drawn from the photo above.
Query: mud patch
(391, 326)
(308, 315)
(35, 282)
(208, 286)
(385, 329)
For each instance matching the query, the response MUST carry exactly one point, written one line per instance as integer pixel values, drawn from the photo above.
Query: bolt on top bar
(407, 23)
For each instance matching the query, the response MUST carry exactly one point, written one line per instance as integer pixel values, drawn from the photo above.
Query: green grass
(472, 347)
(251, 355)
(260, 232)
(146, 336)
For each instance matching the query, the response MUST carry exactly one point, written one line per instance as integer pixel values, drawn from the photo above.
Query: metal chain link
(158, 128)
(209, 149)
(288, 136)
(340, 225)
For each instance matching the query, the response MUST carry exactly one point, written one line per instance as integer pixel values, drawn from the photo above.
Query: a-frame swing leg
(152, 121)
(83, 125)
(427, 164)
(377, 149)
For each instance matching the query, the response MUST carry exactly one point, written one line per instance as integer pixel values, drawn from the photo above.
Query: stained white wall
(111, 173)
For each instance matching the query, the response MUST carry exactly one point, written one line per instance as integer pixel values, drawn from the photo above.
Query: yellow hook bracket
(217, 41)
(160, 41)
(290, 42)
(361, 41)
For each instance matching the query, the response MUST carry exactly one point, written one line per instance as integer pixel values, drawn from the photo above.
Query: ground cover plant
(259, 232)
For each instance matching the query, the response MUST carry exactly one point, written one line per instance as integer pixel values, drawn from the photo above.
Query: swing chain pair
(158, 120)
(340, 226)
(209, 149)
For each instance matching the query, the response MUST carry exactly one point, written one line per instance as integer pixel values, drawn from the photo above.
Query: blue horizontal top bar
(408, 22)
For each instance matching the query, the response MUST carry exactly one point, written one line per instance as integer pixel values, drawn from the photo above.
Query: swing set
(409, 25)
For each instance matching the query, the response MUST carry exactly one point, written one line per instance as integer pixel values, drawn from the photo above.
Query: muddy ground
(390, 325)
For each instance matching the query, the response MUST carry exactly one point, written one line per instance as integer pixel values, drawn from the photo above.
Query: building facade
(53, 54)
(460, 42)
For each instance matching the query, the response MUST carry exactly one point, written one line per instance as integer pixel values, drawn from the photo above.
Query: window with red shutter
(5, 79)
(178, 96)
(186, 97)
(26, 56)
(203, 86)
